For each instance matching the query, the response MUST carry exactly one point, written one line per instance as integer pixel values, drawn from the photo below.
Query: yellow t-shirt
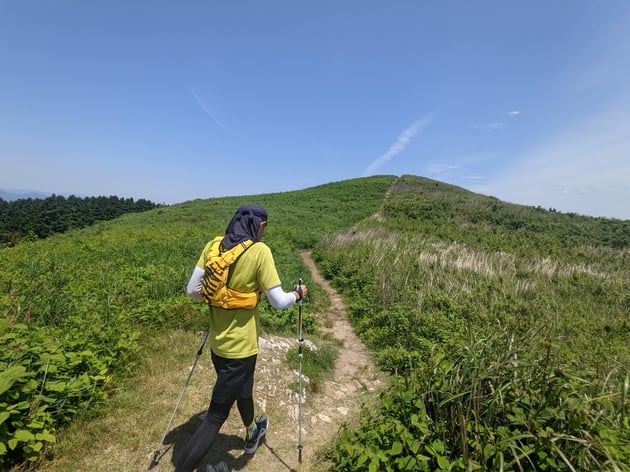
(234, 333)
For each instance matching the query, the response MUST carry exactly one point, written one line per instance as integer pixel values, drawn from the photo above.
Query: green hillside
(78, 308)
(506, 328)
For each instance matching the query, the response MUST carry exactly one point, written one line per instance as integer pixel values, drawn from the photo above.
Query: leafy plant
(492, 403)
(48, 377)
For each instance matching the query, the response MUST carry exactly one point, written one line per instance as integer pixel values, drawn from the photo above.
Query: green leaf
(46, 436)
(437, 447)
(10, 376)
(415, 447)
(396, 449)
(23, 435)
(24, 405)
(443, 462)
(56, 386)
(37, 446)
(3, 416)
(488, 451)
(35, 425)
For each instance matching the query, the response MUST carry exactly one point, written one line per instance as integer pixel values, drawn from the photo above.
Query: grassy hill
(505, 327)
(79, 308)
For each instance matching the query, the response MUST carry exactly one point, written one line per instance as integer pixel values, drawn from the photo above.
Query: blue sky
(172, 101)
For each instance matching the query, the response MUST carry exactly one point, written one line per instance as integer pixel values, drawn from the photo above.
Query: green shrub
(317, 365)
(494, 403)
(49, 376)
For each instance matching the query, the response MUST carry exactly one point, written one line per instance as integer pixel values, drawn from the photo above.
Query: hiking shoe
(251, 443)
(220, 467)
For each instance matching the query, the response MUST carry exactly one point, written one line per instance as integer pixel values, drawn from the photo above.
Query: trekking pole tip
(155, 460)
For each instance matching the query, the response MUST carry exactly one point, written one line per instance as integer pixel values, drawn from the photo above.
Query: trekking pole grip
(300, 283)
(299, 287)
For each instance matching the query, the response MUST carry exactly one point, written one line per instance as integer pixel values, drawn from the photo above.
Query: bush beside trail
(49, 376)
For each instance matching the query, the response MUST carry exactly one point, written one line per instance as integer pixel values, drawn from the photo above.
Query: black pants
(235, 382)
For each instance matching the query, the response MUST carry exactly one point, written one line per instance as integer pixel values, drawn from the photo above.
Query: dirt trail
(126, 439)
(355, 377)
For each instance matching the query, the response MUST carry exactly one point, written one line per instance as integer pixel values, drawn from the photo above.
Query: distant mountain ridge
(11, 194)
(14, 194)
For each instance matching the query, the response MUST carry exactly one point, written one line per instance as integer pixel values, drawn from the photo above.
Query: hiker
(234, 333)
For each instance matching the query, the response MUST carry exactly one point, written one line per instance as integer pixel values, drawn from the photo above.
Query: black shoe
(220, 467)
(251, 444)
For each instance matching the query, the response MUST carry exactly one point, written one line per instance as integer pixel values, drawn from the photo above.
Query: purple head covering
(244, 225)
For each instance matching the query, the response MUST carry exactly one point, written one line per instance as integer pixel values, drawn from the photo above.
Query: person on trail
(234, 333)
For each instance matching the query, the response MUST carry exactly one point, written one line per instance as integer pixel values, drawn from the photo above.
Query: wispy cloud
(440, 168)
(205, 109)
(583, 169)
(399, 145)
(489, 127)
(496, 125)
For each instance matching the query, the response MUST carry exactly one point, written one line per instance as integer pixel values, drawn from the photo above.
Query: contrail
(399, 145)
(203, 107)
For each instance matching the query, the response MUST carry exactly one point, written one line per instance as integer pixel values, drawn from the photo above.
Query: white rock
(324, 418)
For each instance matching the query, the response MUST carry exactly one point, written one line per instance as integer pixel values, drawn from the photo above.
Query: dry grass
(403, 259)
(126, 437)
(392, 249)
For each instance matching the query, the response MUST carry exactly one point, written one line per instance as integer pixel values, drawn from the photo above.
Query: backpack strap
(237, 251)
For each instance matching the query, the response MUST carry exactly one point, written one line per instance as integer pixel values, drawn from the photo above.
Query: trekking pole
(158, 451)
(300, 342)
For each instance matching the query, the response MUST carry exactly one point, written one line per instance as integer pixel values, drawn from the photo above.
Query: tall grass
(450, 284)
(506, 329)
(497, 402)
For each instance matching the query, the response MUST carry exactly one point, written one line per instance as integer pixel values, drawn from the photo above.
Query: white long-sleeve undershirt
(278, 298)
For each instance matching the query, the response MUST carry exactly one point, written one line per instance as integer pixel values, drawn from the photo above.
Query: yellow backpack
(214, 286)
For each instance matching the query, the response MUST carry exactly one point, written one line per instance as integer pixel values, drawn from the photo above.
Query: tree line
(36, 218)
